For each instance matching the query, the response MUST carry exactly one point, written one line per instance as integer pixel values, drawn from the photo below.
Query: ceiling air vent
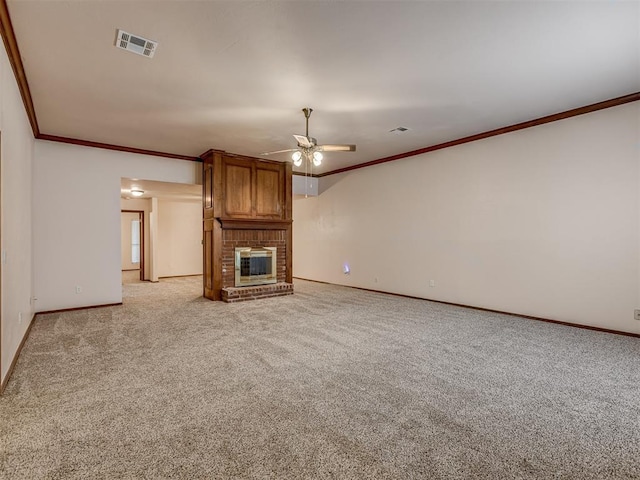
(399, 130)
(136, 44)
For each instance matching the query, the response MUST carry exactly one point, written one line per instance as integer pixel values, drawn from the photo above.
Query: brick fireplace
(232, 239)
(246, 203)
(255, 266)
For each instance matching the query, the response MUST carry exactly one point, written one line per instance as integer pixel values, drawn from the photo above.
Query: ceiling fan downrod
(307, 113)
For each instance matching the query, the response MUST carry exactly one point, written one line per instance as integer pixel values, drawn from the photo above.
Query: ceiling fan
(308, 146)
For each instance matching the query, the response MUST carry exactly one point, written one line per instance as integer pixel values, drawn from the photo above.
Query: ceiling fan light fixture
(308, 148)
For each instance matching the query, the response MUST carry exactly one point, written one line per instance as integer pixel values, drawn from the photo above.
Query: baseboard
(5, 382)
(180, 276)
(26, 335)
(79, 308)
(528, 317)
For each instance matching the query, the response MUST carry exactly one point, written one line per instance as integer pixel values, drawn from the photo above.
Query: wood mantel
(247, 224)
(246, 202)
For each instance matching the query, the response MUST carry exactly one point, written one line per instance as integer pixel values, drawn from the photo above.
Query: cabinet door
(237, 189)
(269, 191)
(210, 245)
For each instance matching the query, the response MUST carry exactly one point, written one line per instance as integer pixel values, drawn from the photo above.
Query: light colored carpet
(130, 276)
(330, 382)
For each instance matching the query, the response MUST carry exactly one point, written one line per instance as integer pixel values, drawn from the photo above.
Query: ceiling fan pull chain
(306, 175)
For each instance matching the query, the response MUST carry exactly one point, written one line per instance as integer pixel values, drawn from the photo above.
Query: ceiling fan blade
(304, 141)
(280, 151)
(336, 148)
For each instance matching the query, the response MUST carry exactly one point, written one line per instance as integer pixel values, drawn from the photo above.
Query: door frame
(142, 239)
(2, 258)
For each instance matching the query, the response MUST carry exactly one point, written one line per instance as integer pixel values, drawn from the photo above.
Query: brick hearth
(241, 294)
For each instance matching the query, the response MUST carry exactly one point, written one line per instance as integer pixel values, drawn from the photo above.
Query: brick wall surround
(232, 239)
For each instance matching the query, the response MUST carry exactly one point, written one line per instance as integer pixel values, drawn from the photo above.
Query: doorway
(132, 240)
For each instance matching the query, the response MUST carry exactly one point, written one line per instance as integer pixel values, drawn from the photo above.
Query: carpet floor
(330, 382)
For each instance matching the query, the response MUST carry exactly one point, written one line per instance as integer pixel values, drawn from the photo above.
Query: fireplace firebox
(256, 266)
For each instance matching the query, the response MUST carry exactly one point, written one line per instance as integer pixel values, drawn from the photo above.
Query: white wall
(153, 243)
(179, 238)
(77, 219)
(16, 231)
(303, 185)
(542, 222)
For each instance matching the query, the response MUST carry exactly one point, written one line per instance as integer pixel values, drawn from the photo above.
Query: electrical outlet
(78, 289)
(432, 283)
(19, 317)
(636, 314)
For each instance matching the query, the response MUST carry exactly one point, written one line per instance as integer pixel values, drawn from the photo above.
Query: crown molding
(11, 46)
(109, 146)
(614, 102)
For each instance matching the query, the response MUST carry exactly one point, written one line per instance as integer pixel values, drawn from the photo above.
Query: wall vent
(136, 44)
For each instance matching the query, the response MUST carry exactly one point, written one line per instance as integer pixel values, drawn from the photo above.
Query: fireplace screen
(255, 266)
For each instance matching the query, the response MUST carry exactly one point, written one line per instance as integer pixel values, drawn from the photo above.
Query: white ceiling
(234, 75)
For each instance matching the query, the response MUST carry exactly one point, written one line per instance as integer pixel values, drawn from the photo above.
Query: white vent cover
(136, 44)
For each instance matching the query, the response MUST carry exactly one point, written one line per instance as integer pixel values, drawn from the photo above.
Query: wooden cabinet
(253, 188)
(269, 191)
(237, 188)
(242, 195)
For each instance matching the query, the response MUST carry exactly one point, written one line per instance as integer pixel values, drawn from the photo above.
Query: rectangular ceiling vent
(136, 44)
(399, 130)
